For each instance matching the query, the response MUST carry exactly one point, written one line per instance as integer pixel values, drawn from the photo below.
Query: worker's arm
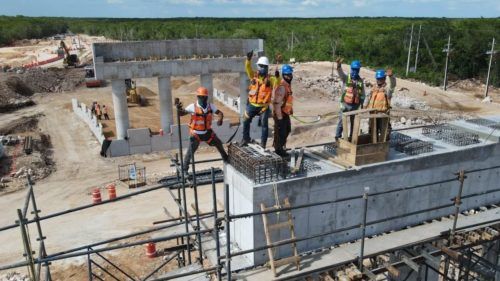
(392, 83)
(362, 97)
(275, 81)
(248, 68)
(341, 72)
(180, 108)
(277, 100)
(220, 116)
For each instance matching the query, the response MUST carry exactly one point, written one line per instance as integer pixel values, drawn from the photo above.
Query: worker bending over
(380, 96)
(259, 97)
(353, 94)
(282, 109)
(201, 125)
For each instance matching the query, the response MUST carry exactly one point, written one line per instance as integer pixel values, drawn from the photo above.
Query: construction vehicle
(70, 60)
(90, 80)
(132, 96)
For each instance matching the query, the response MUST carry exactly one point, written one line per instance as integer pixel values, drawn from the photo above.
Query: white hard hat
(263, 61)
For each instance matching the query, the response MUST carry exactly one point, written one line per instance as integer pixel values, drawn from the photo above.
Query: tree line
(376, 42)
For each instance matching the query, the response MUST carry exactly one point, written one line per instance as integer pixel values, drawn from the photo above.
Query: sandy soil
(79, 168)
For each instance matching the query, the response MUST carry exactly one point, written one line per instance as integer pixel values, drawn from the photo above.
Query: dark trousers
(194, 143)
(282, 129)
(106, 116)
(99, 116)
(379, 129)
(340, 126)
(250, 112)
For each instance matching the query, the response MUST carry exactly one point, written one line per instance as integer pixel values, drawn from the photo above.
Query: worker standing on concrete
(381, 94)
(282, 109)
(201, 125)
(259, 97)
(353, 94)
(98, 111)
(105, 112)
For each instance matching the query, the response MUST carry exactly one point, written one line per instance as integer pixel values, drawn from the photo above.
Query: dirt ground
(79, 168)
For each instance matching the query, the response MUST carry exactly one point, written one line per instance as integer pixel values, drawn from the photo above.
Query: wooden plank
(346, 129)
(371, 148)
(359, 111)
(296, 169)
(292, 233)
(373, 126)
(355, 130)
(370, 158)
(268, 240)
(277, 226)
(385, 129)
(289, 260)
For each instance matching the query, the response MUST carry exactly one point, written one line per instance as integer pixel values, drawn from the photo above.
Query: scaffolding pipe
(363, 229)
(196, 207)
(228, 232)
(216, 226)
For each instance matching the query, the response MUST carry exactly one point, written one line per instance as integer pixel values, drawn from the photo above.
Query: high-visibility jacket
(254, 76)
(353, 91)
(287, 106)
(379, 100)
(200, 121)
(260, 91)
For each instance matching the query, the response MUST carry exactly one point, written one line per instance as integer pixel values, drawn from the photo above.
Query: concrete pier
(120, 108)
(206, 80)
(243, 92)
(166, 109)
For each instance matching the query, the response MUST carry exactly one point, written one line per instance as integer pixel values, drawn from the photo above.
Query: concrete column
(166, 111)
(243, 92)
(206, 81)
(120, 108)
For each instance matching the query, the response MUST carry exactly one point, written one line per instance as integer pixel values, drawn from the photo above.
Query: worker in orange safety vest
(381, 94)
(282, 109)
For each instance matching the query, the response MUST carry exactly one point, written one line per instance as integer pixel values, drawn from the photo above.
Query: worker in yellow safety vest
(201, 125)
(353, 94)
(381, 94)
(259, 97)
(282, 109)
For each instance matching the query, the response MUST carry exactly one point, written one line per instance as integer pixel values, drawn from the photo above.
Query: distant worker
(98, 111)
(282, 109)
(353, 94)
(92, 108)
(259, 97)
(381, 94)
(105, 112)
(201, 125)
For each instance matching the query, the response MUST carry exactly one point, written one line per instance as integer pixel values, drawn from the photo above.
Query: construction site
(85, 197)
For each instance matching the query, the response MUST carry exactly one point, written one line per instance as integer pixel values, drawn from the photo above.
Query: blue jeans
(340, 127)
(250, 112)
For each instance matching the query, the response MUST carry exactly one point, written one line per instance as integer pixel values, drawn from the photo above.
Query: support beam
(206, 81)
(120, 108)
(166, 111)
(243, 93)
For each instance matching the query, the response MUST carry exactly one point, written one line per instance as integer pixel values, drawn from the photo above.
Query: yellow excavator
(132, 95)
(70, 60)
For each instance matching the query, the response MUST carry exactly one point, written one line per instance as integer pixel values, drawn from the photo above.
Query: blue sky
(251, 8)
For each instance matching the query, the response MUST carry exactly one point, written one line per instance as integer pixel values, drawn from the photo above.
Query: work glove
(250, 55)
(178, 103)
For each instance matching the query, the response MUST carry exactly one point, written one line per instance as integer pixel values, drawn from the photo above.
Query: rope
(318, 117)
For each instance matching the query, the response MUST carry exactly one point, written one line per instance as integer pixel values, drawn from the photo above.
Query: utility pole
(418, 46)
(409, 52)
(491, 53)
(447, 50)
(291, 49)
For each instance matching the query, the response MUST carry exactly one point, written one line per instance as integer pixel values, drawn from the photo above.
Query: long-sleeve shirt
(389, 89)
(250, 73)
(343, 78)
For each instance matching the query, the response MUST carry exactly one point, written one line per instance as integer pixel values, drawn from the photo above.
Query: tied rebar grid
(451, 135)
(398, 138)
(309, 165)
(404, 143)
(258, 167)
(330, 149)
(482, 122)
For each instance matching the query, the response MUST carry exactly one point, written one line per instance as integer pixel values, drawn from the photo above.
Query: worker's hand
(219, 122)
(250, 55)
(339, 61)
(388, 72)
(277, 73)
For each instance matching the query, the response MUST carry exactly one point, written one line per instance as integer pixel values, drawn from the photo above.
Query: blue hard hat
(286, 69)
(380, 74)
(355, 64)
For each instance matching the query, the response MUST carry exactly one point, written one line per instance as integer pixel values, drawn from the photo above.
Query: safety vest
(378, 100)
(200, 121)
(259, 94)
(287, 106)
(350, 96)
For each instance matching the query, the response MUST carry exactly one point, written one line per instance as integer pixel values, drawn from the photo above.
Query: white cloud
(309, 3)
(186, 2)
(114, 1)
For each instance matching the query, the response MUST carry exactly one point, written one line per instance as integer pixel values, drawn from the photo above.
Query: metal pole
(409, 52)
(89, 264)
(458, 202)
(27, 248)
(216, 226)
(363, 228)
(228, 233)
(197, 210)
(447, 50)
(182, 260)
(489, 67)
(418, 46)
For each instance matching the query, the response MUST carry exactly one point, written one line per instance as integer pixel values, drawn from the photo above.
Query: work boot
(244, 143)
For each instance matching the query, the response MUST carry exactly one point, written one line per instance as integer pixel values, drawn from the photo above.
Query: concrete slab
(118, 148)
(140, 149)
(139, 137)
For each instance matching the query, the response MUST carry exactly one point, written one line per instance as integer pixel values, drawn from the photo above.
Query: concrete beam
(164, 68)
(120, 108)
(174, 49)
(243, 92)
(165, 96)
(206, 81)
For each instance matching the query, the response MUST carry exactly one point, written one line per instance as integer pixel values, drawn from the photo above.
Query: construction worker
(201, 125)
(98, 112)
(259, 97)
(105, 112)
(353, 94)
(381, 94)
(282, 109)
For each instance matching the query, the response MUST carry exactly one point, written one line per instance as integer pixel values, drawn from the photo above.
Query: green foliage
(377, 42)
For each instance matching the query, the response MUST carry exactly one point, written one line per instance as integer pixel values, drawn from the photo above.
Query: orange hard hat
(202, 91)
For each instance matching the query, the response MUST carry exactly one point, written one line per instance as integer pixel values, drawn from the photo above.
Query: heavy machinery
(90, 80)
(70, 60)
(132, 95)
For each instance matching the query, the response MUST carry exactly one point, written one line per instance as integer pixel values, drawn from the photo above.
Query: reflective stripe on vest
(378, 100)
(350, 96)
(287, 106)
(259, 93)
(200, 121)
